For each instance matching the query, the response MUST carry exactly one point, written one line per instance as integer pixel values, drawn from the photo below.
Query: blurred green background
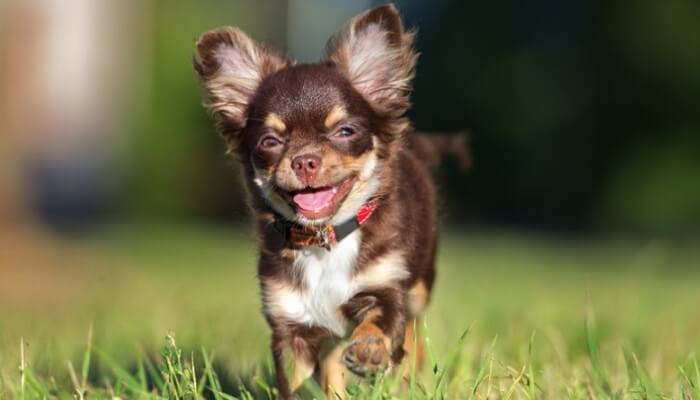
(583, 114)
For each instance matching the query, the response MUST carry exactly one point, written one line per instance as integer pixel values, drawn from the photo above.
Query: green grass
(173, 312)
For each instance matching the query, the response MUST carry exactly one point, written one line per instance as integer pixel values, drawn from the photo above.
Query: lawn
(173, 311)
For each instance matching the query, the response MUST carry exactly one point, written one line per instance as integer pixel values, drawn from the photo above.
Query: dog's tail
(431, 148)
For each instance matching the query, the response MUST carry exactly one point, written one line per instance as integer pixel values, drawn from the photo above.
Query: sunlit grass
(173, 312)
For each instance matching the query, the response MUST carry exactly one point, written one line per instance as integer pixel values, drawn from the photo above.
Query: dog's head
(314, 139)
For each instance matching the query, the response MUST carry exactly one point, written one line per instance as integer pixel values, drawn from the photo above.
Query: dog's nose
(305, 167)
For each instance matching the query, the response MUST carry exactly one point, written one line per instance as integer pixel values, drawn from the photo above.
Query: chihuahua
(343, 199)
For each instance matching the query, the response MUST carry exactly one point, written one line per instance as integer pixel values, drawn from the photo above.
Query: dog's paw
(366, 355)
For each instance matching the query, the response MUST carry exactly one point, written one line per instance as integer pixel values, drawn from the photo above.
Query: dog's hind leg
(413, 346)
(416, 303)
(333, 372)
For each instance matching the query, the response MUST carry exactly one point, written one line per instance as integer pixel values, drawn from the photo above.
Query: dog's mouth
(319, 202)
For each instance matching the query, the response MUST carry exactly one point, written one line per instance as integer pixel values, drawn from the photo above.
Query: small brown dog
(343, 198)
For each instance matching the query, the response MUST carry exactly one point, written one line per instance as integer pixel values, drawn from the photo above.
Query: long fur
(367, 287)
(231, 67)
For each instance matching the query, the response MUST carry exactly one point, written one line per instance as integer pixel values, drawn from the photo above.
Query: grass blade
(532, 384)
(686, 382)
(429, 348)
(22, 369)
(214, 384)
(85, 369)
(484, 366)
(451, 359)
(642, 378)
(412, 366)
(35, 386)
(522, 376)
(313, 388)
(141, 374)
(123, 377)
(697, 377)
(593, 346)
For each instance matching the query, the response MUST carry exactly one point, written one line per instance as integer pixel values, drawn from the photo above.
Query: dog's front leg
(305, 356)
(278, 345)
(377, 342)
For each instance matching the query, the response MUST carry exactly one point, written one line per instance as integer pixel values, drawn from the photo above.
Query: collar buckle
(323, 237)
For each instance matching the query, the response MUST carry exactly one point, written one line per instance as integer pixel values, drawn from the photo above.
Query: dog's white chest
(327, 279)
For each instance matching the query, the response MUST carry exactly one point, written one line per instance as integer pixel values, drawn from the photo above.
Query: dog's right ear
(231, 66)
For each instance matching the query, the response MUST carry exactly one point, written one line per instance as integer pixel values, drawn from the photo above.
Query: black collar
(326, 236)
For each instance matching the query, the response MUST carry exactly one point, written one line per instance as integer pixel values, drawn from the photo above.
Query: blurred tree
(570, 104)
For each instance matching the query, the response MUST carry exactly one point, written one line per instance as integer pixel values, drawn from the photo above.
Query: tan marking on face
(273, 121)
(354, 163)
(337, 114)
(336, 165)
(365, 167)
(269, 172)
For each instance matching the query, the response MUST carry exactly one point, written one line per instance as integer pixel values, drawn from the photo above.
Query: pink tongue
(314, 201)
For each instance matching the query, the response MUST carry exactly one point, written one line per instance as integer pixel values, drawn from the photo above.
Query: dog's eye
(345, 131)
(269, 142)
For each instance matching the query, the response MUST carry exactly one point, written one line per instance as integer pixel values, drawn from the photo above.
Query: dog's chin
(318, 204)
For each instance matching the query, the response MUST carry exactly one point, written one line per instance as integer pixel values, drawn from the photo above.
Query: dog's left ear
(377, 55)
(231, 67)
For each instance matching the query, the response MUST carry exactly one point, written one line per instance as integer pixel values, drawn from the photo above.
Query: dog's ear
(231, 66)
(377, 55)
